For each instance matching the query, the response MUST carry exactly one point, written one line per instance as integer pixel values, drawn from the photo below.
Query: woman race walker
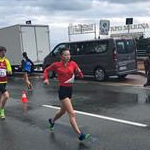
(65, 70)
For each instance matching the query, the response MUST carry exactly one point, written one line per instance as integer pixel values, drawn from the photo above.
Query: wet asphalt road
(126, 100)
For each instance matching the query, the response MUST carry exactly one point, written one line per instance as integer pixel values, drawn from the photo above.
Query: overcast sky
(59, 13)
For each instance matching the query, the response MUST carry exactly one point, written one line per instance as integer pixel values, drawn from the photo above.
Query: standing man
(147, 66)
(146, 61)
(147, 70)
(27, 67)
(5, 68)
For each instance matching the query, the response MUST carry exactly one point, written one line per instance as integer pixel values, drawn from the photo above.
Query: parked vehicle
(33, 39)
(101, 58)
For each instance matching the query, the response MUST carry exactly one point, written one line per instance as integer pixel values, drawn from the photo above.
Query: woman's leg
(4, 98)
(59, 113)
(67, 105)
(0, 100)
(26, 78)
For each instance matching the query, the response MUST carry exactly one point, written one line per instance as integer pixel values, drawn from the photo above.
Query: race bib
(2, 72)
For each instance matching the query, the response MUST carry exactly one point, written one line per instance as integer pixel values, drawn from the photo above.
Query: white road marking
(103, 117)
(122, 84)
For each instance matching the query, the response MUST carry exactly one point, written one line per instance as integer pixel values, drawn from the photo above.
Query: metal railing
(141, 53)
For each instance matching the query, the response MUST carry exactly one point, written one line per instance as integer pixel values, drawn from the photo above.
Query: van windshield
(125, 46)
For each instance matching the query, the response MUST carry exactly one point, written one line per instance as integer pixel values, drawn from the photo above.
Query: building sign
(81, 29)
(131, 27)
(129, 21)
(104, 27)
(133, 35)
(28, 22)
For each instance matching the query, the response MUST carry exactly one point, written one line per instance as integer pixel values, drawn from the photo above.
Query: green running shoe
(2, 114)
(51, 124)
(84, 136)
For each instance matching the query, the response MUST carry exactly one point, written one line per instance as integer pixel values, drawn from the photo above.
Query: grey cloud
(66, 9)
(71, 5)
(123, 1)
(70, 10)
(60, 5)
(114, 11)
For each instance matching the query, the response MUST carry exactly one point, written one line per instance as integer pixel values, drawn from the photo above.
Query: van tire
(100, 74)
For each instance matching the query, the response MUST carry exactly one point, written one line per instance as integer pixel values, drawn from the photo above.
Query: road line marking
(113, 84)
(103, 117)
(122, 84)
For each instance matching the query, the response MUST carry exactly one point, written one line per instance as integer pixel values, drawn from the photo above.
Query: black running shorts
(65, 92)
(3, 88)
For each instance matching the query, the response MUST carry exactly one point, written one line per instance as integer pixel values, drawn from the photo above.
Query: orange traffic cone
(24, 97)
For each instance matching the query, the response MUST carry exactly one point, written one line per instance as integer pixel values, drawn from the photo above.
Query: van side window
(86, 48)
(57, 49)
(76, 49)
(73, 49)
(101, 46)
(80, 49)
(89, 48)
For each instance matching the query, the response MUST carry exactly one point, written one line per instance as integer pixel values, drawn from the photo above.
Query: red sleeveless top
(3, 69)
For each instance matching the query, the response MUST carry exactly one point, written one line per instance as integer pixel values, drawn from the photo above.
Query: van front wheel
(99, 74)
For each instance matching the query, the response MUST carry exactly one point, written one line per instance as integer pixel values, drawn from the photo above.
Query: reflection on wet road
(118, 101)
(26, 126)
